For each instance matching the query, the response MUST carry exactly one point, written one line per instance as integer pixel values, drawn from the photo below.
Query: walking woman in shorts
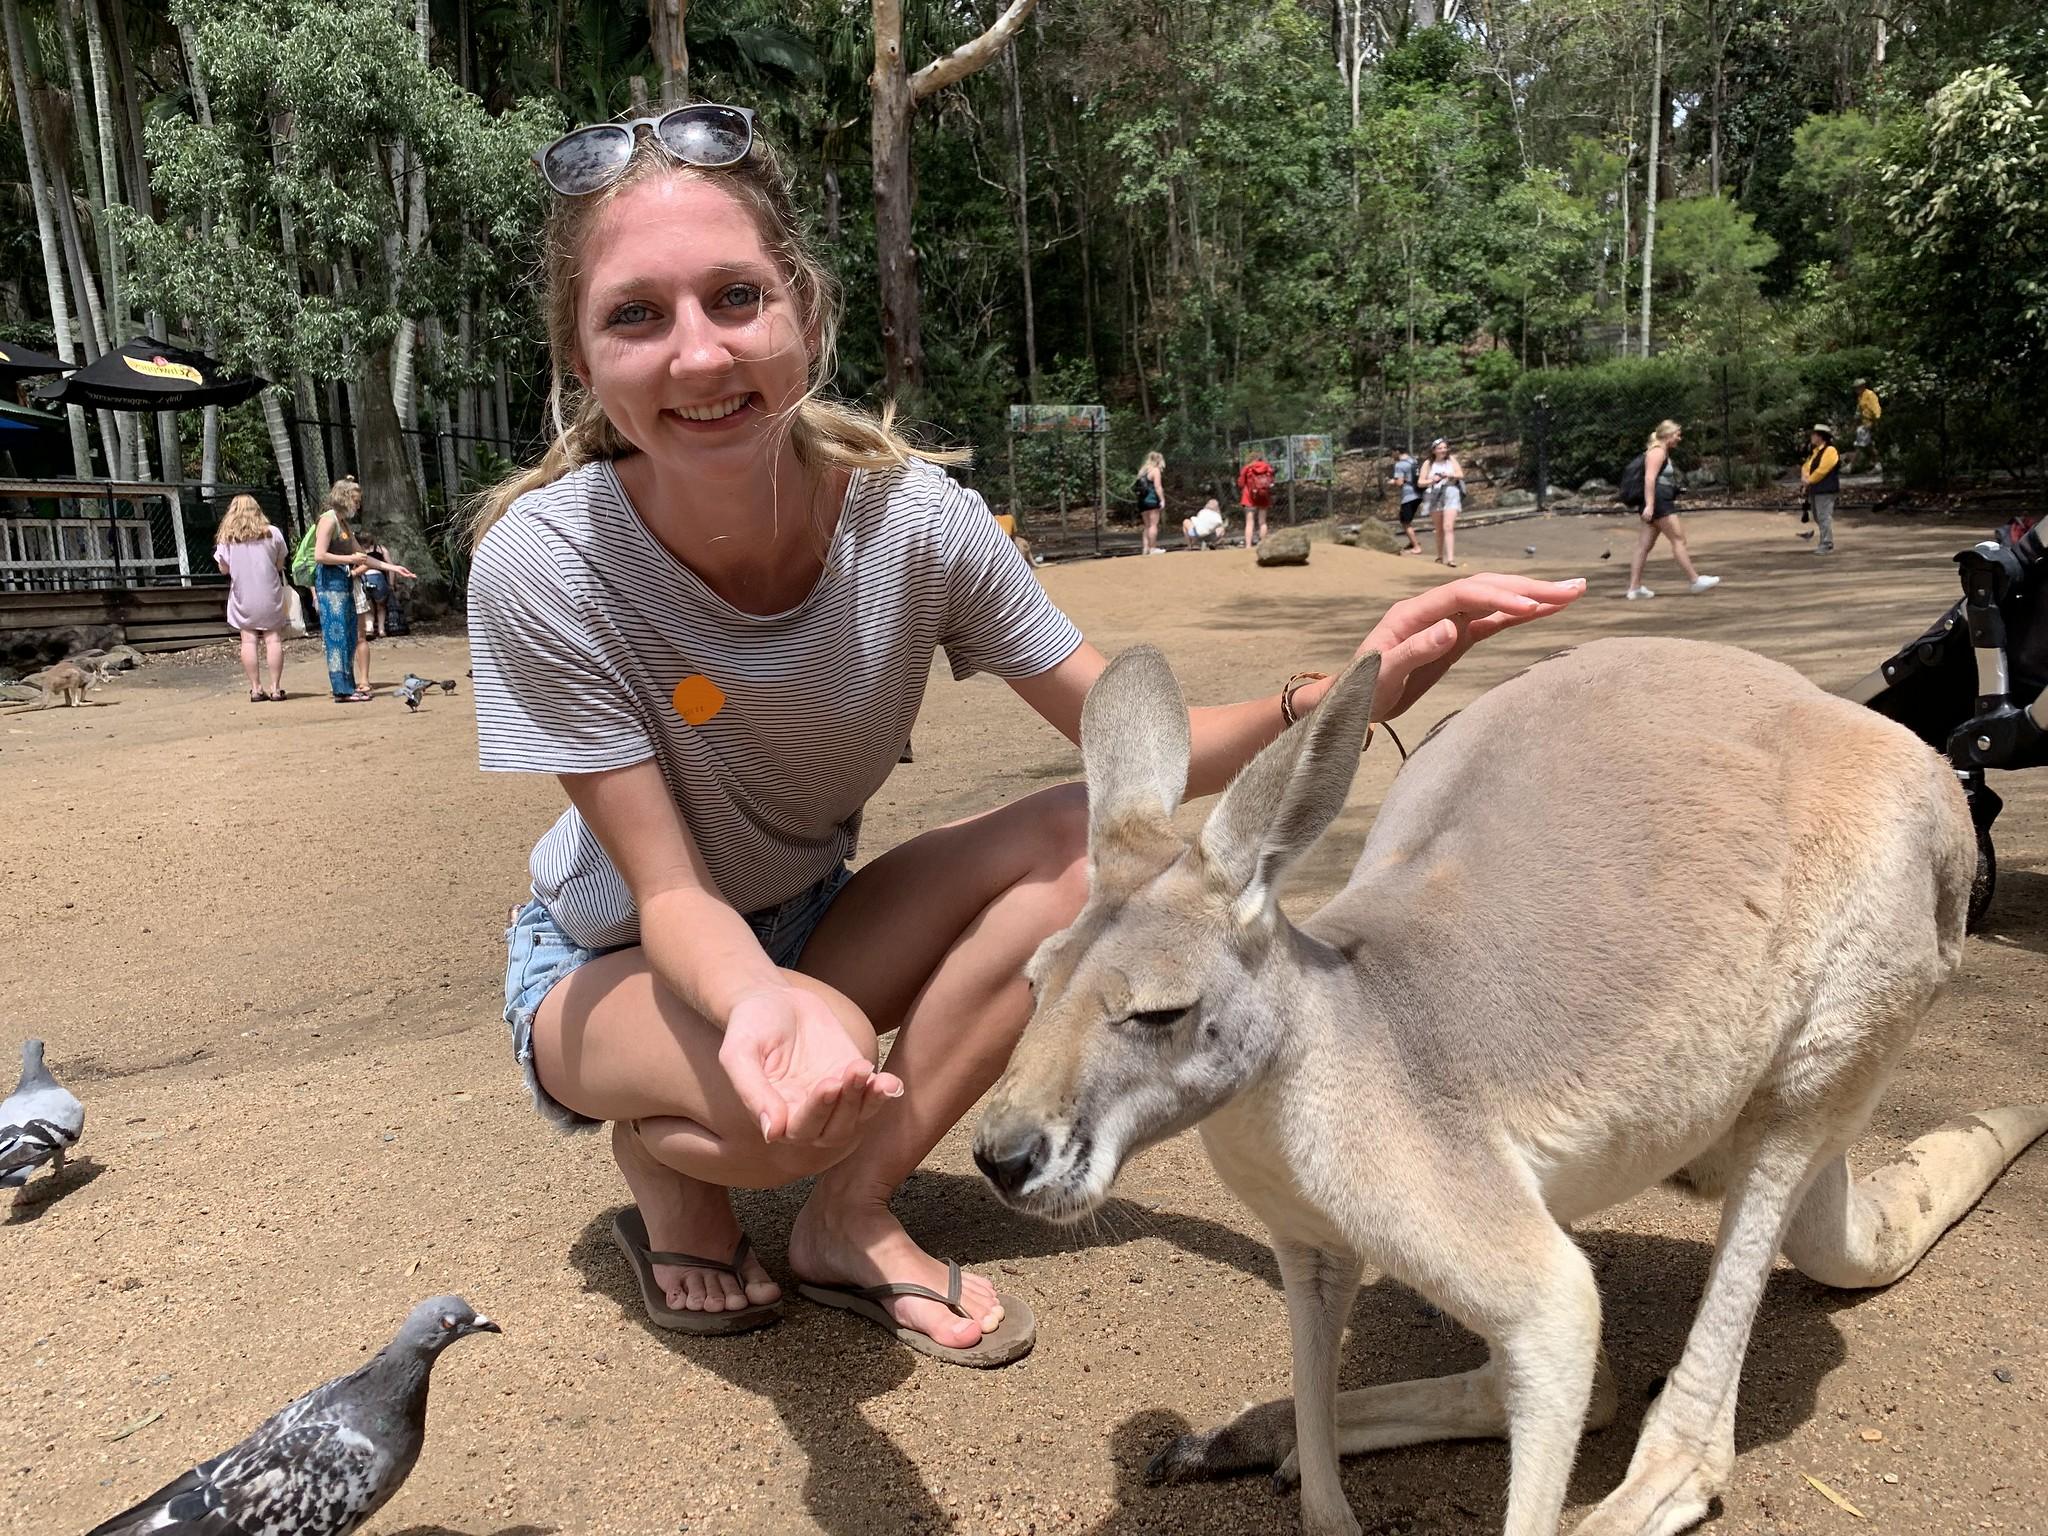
(710, 612)
(1659, 493)
(1443, 497)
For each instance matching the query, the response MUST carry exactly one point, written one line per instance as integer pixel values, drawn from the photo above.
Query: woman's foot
(848, 1243)
(686, 1215)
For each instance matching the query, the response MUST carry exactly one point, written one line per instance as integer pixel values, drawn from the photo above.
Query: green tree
(295, 227)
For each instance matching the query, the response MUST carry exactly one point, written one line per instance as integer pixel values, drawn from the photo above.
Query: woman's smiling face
(686, 330)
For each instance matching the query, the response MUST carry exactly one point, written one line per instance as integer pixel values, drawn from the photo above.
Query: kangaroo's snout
(1008, 1160)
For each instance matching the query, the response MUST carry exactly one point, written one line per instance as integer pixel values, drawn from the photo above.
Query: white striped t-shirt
(581, 626)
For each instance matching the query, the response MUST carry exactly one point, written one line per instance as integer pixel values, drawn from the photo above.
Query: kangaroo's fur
(1651, 910)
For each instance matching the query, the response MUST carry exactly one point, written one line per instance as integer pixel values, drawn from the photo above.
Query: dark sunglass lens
(587, 159)
(709, 136)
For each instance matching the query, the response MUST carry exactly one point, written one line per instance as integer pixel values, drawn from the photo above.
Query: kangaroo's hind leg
(1687, 1447)
(1854, 1232)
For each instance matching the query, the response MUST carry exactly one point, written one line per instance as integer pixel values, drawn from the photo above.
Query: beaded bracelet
(1287, 693)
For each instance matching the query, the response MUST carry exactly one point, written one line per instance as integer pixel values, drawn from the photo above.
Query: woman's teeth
(711, 412)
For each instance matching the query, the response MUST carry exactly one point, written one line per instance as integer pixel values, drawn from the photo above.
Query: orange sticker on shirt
(697, 698)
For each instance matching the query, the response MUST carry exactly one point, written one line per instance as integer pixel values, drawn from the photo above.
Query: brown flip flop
(1011, 1341)
(629, 1231)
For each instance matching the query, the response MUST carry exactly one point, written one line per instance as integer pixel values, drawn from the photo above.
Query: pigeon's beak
(482, 1324)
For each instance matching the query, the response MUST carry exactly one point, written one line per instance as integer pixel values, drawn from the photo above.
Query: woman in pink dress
(251, 552)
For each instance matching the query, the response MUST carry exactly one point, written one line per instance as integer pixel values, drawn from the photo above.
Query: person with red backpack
(1255, 495)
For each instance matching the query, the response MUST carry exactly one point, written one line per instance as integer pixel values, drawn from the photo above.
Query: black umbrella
(150, 375)
(18, 363)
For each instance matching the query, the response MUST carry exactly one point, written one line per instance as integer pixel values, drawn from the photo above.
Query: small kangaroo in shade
(1542, 991)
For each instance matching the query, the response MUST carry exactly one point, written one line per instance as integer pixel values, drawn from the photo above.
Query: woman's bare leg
(1449, 519)
(932, 938)
(273, 654)
(1635, 566)
(249, 660)
(611, 1042)
(1674, 535)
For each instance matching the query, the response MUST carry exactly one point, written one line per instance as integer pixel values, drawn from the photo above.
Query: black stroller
(1975, 686)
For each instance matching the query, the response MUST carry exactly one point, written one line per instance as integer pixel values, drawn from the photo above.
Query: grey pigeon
(39, 1122)
(414, 688)
(326, 1463)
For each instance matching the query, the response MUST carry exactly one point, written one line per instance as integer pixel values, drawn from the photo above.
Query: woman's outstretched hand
(1421, 636)
(796, 1070)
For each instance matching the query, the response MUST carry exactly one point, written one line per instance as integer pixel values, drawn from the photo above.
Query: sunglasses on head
(589, 159)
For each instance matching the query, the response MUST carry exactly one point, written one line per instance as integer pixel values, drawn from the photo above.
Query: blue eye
(741, 296)
(631, 313)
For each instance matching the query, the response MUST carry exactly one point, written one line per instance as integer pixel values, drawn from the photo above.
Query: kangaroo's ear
(1288, 795)
(1134, 748)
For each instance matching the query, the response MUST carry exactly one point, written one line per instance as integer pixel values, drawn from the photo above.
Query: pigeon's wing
(25, 1148)
(187, 1506)
(315, 1479)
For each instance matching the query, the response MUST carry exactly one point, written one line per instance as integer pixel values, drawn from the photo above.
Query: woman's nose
(698, 347)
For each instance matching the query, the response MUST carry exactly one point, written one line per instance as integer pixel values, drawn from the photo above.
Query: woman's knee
(1058, 835)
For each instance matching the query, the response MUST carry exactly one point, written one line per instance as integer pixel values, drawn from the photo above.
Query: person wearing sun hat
(1822, 476)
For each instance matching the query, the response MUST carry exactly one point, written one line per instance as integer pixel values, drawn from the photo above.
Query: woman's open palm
(797, 1071)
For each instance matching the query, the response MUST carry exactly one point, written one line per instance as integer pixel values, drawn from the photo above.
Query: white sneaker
(1636, 592)
(1705, 583)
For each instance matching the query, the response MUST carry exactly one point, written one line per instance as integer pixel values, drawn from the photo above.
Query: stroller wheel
(1985, 885)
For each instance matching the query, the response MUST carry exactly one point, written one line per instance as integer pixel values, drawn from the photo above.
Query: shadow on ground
(816, 1371)
(1649, 1286)
(46, 1189)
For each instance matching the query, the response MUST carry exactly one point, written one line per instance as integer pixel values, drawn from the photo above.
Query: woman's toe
(942, 1324)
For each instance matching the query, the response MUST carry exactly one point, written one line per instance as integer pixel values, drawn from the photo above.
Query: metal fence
(85, 535)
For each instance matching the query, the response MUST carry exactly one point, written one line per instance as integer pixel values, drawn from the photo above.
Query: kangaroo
(1501, 1026)
(62, 681)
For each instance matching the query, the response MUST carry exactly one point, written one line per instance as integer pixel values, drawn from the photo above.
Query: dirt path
(263, 943)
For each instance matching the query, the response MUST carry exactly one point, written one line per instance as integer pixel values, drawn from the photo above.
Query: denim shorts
(538, 955)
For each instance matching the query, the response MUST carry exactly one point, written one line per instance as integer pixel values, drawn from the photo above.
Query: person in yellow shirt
(1867, 411)
(1822, 476)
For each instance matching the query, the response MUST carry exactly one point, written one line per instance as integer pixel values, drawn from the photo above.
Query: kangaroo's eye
(1159, 1018)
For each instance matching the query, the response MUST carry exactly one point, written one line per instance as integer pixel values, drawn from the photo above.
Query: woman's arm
(1653, 465)
(1418, 640)
(787, 1056)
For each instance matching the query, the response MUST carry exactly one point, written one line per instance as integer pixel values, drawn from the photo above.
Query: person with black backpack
(1650, 485)
(1406, 475)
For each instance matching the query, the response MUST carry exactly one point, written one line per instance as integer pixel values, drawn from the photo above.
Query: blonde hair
(1155, 460)
(344, 498)
(242, 523)
(822, 431)
(1661, 435)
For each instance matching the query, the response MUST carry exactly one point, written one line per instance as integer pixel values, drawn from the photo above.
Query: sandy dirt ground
(264, 943)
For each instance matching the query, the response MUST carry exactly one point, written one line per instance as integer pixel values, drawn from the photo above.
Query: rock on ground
(1285, 546)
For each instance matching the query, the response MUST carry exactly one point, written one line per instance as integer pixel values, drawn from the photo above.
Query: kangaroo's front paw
(1287, 1476)
(1257, 1440)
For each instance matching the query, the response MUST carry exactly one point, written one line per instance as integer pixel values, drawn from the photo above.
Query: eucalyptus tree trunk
(307, 404)
(665, 40)
(1650, 195)
(82, 120)
(209, 418)
(390, 494)
(46, 228)
(281, 449)
(117, 429)
(895, 92)
(1013, 119)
